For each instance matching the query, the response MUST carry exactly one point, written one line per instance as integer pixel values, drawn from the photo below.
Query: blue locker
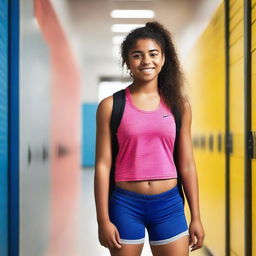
(4, 128)
(88, 134)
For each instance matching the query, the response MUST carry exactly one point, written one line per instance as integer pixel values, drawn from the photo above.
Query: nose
(145, 60)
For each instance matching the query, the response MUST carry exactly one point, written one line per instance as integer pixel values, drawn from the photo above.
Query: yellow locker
(205, 72)
(217, 89)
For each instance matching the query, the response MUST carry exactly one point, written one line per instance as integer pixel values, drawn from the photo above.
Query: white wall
(34, 135)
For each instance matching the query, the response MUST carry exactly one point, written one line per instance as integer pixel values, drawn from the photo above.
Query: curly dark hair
(171, 78)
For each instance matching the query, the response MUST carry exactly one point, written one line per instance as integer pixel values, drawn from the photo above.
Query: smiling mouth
(147, 70)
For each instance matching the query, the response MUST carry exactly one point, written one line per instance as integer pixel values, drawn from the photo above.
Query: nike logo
(165, 115)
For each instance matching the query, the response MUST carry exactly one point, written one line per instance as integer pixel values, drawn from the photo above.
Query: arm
(188, 172)
(103, 159)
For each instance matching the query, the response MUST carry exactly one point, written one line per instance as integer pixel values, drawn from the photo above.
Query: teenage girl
(146, 194)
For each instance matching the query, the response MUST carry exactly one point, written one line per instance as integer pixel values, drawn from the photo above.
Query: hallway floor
(88, 236)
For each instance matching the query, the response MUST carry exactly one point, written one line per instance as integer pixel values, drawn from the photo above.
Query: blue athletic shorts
(161, 214)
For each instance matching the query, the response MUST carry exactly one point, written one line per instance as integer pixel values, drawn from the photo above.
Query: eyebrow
(137, 51)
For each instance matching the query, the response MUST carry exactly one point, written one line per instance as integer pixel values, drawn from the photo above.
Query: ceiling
(91, 21)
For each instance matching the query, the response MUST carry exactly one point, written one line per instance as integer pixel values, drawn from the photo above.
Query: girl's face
(145, 59)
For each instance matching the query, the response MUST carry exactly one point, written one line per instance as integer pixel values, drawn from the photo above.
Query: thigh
(126, 215)
(178, 247)
(168, 230)
(166, 220)
(127, 250)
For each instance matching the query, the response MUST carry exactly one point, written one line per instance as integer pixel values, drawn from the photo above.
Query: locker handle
(252, 144)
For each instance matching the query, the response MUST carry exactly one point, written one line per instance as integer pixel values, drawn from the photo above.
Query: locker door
(4, 128)
(236, 126)
(205, 71)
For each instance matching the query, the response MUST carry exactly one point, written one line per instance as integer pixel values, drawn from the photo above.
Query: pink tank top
(146, 143)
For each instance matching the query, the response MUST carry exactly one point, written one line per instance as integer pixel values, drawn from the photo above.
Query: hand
(109, 235)
(196, 230)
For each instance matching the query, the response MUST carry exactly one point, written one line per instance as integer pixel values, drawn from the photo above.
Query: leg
(126, 213)
(167, 227)
(178, 247)
(127, 250)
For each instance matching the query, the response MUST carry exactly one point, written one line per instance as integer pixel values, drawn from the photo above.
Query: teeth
(147, 70)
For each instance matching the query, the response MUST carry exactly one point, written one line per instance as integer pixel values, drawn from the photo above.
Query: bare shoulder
(103, 134)
(186, 118)
(187, 107)
(104, 109)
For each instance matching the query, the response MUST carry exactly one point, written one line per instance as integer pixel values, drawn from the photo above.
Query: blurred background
(60, 58)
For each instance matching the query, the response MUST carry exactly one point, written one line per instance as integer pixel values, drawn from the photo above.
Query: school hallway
(60, 58)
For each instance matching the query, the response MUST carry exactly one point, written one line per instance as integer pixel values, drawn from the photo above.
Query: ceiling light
(132, 14)
(125, 27)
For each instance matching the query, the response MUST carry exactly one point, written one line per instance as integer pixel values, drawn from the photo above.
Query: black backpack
(117, 113)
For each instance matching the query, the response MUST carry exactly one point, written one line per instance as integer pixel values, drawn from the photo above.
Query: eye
(136, 56)
(154, 54)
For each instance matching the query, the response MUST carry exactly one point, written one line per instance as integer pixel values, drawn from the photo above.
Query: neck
(145, 87)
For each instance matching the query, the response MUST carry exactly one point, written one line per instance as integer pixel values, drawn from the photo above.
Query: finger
(191, 239)
(196, 246)
(106, 244)
(117, 237)
(116, 244)
(110, 244)
(103, 243)
(200, 242)
(113, 244)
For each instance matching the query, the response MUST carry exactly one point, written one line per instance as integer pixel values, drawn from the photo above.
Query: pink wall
(65, 133)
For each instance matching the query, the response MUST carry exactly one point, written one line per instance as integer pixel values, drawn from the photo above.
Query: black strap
(175, 153)
(117, 113)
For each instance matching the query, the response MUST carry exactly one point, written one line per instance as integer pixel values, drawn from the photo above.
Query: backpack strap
(175, 153)
(117, 113)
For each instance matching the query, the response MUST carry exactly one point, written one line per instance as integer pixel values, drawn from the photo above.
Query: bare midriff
(148, 187)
